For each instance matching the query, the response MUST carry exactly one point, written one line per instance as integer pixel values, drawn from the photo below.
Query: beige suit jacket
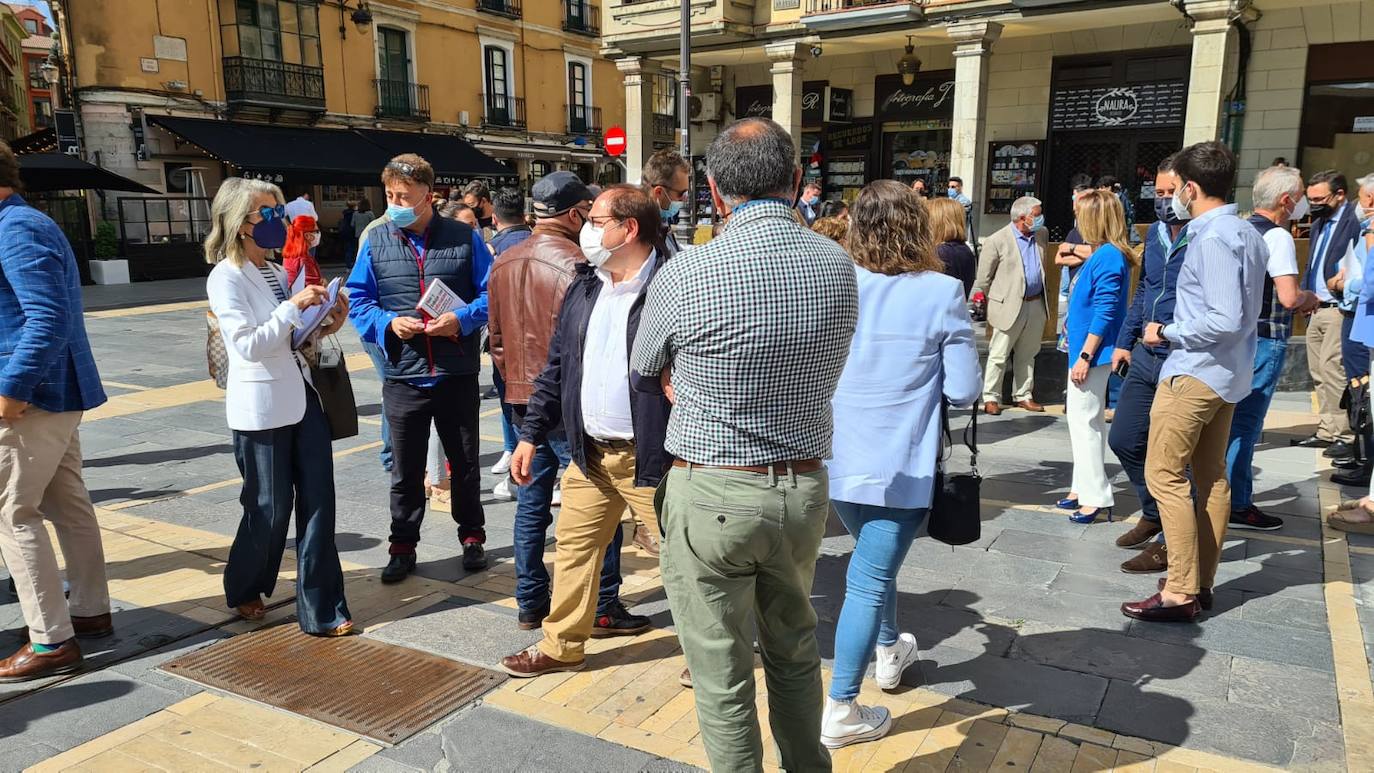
(1003, 278)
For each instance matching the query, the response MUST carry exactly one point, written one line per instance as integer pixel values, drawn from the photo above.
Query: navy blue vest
(1274, 320)
(399, 272)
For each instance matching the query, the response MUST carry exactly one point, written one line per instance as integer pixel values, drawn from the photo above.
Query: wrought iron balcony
(499, 110)
(664, 125)
(582, 17)
(402, 99)
(511, 9)
(584, 120)
(278, 85)
(853, 14)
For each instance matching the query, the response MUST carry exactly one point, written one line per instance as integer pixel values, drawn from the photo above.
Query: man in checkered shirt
(749, 333)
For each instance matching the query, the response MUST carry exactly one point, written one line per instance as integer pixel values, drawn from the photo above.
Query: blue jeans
(509, 438)
(285, 470)
(534, 515)
(379, 363)
(882, 536)
(1130, 433)
(1248, 420)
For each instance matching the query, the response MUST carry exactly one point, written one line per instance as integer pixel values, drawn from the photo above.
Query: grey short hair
(753, 158)
(1023, 206)
(1273, 182)
(1366, 183)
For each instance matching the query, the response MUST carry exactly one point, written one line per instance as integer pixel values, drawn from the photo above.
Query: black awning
(57, 172)
(41, 141)
(276, 153)
(454, 159)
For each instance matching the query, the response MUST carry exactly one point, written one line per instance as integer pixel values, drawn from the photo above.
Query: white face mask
(590, 241)
(1300, 209)
(313, 239)
(1180, 211)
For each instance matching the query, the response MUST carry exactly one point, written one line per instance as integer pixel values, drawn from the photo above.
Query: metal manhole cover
(380, 691)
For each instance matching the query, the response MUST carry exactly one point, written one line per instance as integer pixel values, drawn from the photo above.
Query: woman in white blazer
(281, 437)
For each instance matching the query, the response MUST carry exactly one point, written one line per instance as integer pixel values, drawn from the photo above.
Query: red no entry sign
(615, 141)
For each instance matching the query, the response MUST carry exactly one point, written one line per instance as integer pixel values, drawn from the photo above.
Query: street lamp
(50, 72)
(909, 64)
(361, 17)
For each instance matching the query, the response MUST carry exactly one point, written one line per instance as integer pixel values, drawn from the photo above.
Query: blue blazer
(1097, 303)
(45, 358)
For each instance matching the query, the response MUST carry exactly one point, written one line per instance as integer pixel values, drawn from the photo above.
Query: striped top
(270, 276)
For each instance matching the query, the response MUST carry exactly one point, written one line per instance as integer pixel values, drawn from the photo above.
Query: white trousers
(1088, 437)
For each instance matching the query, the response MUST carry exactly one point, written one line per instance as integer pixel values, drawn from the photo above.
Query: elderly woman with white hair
(282, 441)
(1358, 515)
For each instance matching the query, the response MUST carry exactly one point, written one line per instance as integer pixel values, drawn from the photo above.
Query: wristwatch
(1084, 356)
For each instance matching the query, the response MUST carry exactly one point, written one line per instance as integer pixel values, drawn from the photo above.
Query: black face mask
(1322, 210)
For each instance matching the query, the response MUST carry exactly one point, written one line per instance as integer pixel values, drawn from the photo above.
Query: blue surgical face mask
(674, 207)
(952, 193)
(402, 216)
(270, 234)
(1038, 223)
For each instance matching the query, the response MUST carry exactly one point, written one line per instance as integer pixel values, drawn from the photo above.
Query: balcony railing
(510, 9)
(582, 17)
(664, 125)
(826, 6)
(273, 84)
(402, 99)
(584, 120)
(500, 110)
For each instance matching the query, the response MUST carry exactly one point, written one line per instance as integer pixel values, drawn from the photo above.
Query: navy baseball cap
(558, 192)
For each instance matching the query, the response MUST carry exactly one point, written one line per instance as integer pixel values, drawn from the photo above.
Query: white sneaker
(892, 661)
(847, 722)
(501, 491)
(557, 498)
(502, 465)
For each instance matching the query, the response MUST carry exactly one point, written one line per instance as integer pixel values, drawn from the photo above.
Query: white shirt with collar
(606, 357)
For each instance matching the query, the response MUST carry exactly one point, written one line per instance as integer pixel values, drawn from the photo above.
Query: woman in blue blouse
(1097, 309)
(913, 348)
(1358, 515)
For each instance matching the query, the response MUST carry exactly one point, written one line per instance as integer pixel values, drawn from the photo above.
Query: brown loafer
(25, 664)
(991, 408)
(1152, 610)
(1154, 558)
(645, 541)
(347, 629)
(533, 662)
(1204, 595)
(253, 610)
(1030, 405)
(93, 627)
(1140, 535)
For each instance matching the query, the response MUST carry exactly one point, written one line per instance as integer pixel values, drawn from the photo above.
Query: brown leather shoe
(1204, 595)
(533, 662)
(253, 610)
(93, 627)
(645, 541)
(25, 664)
(1154, 558)
(1139, 536)
(991, 408)
(1152, 610)
(1030, 405)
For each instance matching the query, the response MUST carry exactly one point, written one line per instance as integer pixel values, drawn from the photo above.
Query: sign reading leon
(614, 141)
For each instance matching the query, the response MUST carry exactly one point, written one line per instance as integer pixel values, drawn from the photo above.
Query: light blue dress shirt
(1321, 247)
(1220, 287)
(1030, 262)
(913, 347)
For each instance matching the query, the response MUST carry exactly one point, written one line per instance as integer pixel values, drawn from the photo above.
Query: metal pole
(685, 107)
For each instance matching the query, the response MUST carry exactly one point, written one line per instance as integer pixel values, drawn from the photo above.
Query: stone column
(639, 112)
(968, 151)
(787, 57)
(1212, 42)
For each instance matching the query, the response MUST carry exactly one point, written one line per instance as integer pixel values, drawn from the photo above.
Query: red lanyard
(419, 259)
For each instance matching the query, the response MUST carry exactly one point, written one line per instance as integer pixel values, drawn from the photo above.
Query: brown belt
(1034, 297)
(778, 468)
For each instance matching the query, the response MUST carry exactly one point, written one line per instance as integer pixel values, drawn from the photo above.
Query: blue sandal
(1091, 517)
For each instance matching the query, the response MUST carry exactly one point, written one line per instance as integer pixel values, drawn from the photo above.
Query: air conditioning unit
(706, 107)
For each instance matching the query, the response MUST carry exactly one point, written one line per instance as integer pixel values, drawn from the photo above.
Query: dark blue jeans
(534, 515)
(1130, 433)
(1248, 420)
(285, 468)
(509, 439)
(379, 364)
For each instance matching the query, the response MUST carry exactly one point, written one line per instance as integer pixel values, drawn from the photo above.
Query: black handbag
(329, 374)
(955, 509)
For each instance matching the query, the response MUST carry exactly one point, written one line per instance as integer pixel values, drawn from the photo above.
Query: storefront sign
(840, 108)
(849, 139)
(813, 102)
(1013, 172)
(931, 96)
(1363, 124)
(754, 101)
(64, 121)
(1104, 107)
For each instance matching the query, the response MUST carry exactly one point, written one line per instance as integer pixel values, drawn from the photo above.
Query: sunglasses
(272, 213)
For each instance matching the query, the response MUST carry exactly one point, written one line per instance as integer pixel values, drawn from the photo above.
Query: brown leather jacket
(524, 295)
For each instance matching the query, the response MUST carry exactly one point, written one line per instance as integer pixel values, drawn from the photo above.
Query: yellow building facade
(521, 81)
(14, 114)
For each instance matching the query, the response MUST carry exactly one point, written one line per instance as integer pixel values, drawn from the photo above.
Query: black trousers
(453, 406)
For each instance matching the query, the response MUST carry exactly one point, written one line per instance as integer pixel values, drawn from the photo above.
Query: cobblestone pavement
(1027, 664)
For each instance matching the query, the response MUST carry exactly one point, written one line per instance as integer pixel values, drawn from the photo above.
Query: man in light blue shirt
(1219, 293)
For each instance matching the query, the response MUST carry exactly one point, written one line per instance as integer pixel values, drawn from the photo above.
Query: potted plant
(108, 268)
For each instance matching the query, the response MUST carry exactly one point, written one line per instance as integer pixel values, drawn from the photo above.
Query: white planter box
(110, 272)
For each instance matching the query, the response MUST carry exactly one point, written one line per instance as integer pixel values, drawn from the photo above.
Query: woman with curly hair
(832, 228)
(913, 349)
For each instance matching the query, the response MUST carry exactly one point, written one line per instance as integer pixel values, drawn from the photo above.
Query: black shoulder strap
(970, 433)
